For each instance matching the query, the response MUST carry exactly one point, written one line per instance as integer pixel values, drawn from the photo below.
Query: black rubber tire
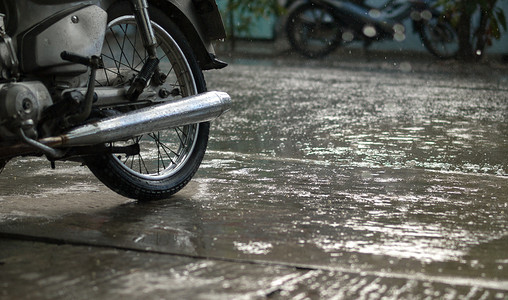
(308, 39)
(2, 165)
(116, 175)
(444, 34)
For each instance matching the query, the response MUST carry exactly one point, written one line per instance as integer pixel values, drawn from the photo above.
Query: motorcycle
(315, 28)
(114, 84)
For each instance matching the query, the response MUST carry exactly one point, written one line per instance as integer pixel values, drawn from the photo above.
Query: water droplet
(426, 15)
(375, 13)
(399, 37)
(416, 16)
(399, 28)
(406, 67)
(348, 36)
(369, 31)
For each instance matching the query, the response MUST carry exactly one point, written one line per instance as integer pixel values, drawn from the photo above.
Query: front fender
(201, 23)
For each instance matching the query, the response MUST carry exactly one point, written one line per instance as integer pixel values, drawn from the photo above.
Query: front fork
(145, 26)
(151, 65)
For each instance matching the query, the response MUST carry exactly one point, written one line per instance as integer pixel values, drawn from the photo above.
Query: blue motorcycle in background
(315, 28)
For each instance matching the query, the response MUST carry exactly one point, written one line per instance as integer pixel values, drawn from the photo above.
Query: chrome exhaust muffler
(194, 109)
(189, 110)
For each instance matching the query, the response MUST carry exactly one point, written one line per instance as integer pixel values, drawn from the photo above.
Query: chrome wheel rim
(163, 153)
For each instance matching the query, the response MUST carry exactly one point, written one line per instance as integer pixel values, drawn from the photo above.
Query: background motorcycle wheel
(440, 38)
(167, 159)
(313, 30)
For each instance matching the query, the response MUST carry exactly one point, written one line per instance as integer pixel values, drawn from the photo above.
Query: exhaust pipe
(189, 110)
(194, 109)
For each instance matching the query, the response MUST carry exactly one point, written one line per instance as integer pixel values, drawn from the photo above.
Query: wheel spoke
(119, 65)
(160, 158)
(166, 148)
(134, 53)
(134, 48)
(141, 61)
(132, 162)
(121, 50)
(112, 52)
(123, 55)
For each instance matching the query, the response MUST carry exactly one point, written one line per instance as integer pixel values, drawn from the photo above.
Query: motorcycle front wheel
(167, 159)
(313, 30)
(440, 38)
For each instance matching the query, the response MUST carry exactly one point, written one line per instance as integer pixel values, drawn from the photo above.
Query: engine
(21, 103)
(78, 29)
(21, 106)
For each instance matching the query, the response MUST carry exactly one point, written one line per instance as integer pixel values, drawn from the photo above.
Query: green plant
(473, 39)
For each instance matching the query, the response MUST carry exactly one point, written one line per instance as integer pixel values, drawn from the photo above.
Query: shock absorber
(149, 41)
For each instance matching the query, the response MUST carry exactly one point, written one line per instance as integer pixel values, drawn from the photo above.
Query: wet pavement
(327, 180)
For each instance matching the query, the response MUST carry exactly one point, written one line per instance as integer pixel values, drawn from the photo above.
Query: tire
(2, 165)
(440, 38)
(313, 30)
(167, 159)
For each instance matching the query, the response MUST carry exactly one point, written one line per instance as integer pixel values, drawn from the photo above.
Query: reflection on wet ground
(321, 182)
(369, 118)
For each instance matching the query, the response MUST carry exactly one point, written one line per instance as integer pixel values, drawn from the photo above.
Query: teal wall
(265, 28)
(262, 28)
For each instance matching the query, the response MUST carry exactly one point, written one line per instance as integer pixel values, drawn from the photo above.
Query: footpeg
(93, 61)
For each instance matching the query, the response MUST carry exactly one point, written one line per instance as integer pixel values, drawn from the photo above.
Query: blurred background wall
(271, 28)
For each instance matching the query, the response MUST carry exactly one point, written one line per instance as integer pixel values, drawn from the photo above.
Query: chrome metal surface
(144, 24)
(174, 145)
(195, 109)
